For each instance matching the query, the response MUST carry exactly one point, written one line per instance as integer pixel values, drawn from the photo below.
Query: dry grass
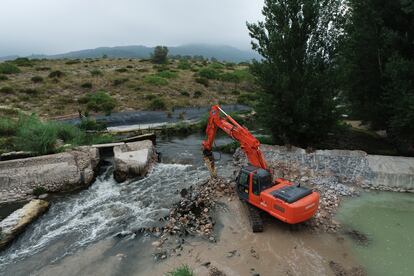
(59, 96)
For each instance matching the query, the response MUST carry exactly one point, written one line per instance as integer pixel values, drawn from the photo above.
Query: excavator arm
(248, 143)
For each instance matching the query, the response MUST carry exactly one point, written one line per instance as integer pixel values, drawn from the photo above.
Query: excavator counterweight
(280, 198)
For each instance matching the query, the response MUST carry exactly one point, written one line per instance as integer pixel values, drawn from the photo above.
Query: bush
(167, 74)
(216, 65)
(73, 61)
(86, 85)
(30, 91)
(43, 68)
(37, 79)
(130, 66)
(155, 80)
(183, 270)
(157, 104)
(184, 65)
(90, 124)
(121, 70)
(56, 74)
(6, 90)
(3, 78)
(197, 94)
(247, 99)
(117, 82)
(185, 93)
(8, 126)
(209, 73)
(24, 62)
(39, 191)
(8, 68)
(149, 97)
(202, 81)
(96, 73)
(99, 101)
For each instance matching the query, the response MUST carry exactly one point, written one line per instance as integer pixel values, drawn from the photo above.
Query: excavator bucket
(209, 160)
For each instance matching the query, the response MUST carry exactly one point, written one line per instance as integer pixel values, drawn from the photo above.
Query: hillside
(53, 88)
(220, 52)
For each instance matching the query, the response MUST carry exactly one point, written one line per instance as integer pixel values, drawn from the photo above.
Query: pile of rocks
(192, 215)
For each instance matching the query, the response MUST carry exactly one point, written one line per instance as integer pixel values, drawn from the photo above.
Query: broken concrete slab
(133, 159)
(62, 172)
(16, 222)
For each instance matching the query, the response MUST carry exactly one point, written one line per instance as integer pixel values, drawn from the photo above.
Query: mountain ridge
(220, 52)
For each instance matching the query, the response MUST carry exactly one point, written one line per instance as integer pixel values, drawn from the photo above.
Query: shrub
(8, 68)
(216, 65)
(43, 68)
(161, 67)
(183, 270)
(209, 73)
(96, 73)
(130, 66)
(24, 62)
(37, 79)
(73, 61)
(155, 80)
(167, 74)
(202, 81)
(56, 74)
(6, 90)
(184, 65)
(3, 78)
(86, 85)
(185, 93)
(121, 70)
(117, 82)
(99, 101)
(91, 124)
(197, 94)
(149, 97)
(246, 99)
(157, 104)
(8, 126)
(30, 91)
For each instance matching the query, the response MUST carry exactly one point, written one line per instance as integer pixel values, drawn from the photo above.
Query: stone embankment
(133, 159)
(16, 222)
(22, 178)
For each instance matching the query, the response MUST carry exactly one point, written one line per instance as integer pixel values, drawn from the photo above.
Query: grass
(167, 74)
(155, 80)
(29, 133)
(183, 270)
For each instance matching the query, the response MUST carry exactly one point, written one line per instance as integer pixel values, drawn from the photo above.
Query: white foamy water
(103, 210)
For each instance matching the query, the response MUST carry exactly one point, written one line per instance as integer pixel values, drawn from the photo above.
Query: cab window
(243, 179)
(256, 187)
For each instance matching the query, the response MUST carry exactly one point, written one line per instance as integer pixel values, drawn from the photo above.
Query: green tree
(160, 55)
(297, 41)
(378, 66)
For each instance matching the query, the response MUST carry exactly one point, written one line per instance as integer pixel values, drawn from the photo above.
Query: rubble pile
(192, 215)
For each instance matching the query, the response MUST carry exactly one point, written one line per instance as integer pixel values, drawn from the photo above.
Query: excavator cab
(260, 180)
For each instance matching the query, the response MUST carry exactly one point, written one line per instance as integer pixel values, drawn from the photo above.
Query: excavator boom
(248, 143)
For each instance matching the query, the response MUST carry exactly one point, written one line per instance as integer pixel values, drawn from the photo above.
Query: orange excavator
(281, 198)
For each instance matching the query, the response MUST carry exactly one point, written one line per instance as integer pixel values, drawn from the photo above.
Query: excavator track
(256, 221)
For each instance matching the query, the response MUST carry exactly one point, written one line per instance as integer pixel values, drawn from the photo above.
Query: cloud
(56, 26)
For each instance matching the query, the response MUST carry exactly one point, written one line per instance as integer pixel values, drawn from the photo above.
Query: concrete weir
(66, 171)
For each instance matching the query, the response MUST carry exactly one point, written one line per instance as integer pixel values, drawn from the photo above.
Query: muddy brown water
(95, 231)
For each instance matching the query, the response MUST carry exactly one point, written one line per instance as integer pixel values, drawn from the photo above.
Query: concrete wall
(56, 172)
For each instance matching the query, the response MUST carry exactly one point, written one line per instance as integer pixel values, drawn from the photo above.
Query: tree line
(324, 59)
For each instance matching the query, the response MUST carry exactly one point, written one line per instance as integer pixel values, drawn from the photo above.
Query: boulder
(67, 171)
(17, 221)
(133, 159)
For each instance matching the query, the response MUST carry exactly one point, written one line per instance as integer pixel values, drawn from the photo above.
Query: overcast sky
(56, 26)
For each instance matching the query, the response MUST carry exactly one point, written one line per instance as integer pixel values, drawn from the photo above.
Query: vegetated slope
(53, 88)
(220, 52)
